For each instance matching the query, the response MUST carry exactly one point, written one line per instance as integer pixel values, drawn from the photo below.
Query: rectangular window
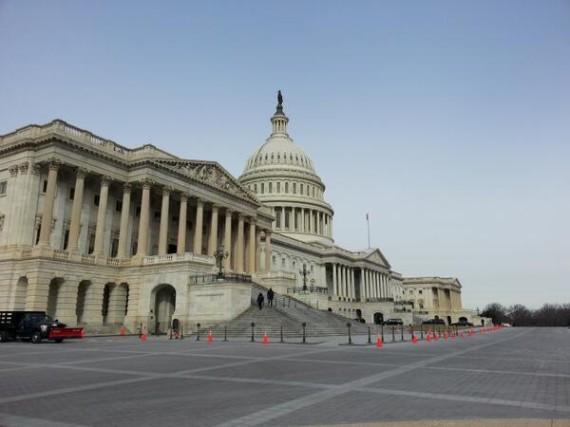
(270, 187)
(262, 188)
(279, 187)
(3, 186)
(71, 193)
(66, 240)
(138, 211)
(156, 215)
(96, 199)
(44, 187)
(294, 188)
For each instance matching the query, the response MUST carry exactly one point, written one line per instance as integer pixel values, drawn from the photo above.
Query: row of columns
(304, 220)
(235, 260)
(373, 284)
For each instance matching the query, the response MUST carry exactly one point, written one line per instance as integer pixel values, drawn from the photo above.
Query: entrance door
(378, 318)
(165, 302)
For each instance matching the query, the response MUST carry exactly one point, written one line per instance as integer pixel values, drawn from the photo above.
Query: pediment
(377, 257)
(212, 174)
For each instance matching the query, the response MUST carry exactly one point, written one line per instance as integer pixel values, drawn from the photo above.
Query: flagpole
(368, 226)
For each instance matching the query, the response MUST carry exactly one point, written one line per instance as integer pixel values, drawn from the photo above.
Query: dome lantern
(279, 120)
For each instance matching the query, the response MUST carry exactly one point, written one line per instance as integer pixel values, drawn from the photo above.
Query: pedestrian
(260, 300)
(270, 295)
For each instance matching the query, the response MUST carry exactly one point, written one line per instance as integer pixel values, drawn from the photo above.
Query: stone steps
(287, 313)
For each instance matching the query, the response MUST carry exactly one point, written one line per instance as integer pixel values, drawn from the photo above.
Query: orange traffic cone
(122, 330)
(460, 334)
(265, 338)
(452, 335)
(414, 339)
(428, 337)
(143, 336)
(379, 342)
(210, 337)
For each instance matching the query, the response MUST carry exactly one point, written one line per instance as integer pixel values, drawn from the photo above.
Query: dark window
(138, 211)
(156, 215)
(66, 240)
(44, 188)
(71, 193)
(118, 206)
(96, 199)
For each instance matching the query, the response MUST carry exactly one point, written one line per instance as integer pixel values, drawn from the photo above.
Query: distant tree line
(519, 315)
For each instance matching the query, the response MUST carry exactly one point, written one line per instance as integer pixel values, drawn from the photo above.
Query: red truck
(34, 326)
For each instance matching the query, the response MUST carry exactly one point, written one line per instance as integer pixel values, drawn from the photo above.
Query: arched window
(270, 187)
(262, 188)
(287, 187)
(294, 188)
(279, 186)
(301, 189)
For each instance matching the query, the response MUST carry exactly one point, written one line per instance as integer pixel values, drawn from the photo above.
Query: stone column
(74, 228)
(198, 229)
(363, 293)
(251, 247)
(228, 239)
(282, 213)
(267, 251)
(11, 226)
(37, 293)
(142, 247)
(125, 213)
(49, 199)
(164, 219)
(302, 220)
(101, 215)
(240, 245)
(213, 238)
(181, 245)
(318, 222)
(335, 284)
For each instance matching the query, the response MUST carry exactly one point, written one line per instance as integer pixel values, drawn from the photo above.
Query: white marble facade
(100, 234)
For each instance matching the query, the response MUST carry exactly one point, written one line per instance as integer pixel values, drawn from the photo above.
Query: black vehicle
(433, 322)
(462, 323)
(34, 326)
(394, 322)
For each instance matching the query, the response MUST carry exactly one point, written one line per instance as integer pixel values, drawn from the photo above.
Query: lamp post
(220, 255)
(304, 273)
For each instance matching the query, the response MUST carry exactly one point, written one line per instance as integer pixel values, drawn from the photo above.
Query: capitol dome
(283, 177)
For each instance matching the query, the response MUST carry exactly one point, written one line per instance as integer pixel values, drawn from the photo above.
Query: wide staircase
(285, 317)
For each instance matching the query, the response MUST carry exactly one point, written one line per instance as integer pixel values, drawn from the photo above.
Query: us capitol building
(99, 234)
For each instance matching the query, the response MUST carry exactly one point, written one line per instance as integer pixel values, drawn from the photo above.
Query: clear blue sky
(448, 121)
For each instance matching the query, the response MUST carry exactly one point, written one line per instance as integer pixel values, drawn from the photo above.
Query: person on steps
(260, 300)
(270, 295)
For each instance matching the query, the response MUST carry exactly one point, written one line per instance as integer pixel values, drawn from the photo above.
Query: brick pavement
(512, 377)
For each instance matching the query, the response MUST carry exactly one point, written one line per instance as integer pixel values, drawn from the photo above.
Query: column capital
(13, 171)
(184, 197)
(200, 202)
(81, 172)
(215, 206)
(127, 187)
(24, 167)
(35, 168)
(54, 164)
(229, 211)
(106, 180)
(146, 183)
(166, 190)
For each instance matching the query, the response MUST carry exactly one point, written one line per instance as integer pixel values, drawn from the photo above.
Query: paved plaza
(509, 377)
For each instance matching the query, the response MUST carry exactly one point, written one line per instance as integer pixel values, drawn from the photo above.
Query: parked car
(394, 322)
(462, 323)
(433, 322)
(34, 326)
